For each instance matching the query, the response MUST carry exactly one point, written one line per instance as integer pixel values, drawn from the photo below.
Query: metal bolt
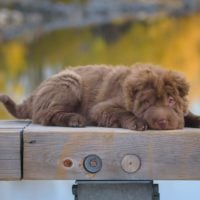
(92, 163)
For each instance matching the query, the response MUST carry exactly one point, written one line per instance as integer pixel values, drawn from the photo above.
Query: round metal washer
(92, 163)
(131, 163)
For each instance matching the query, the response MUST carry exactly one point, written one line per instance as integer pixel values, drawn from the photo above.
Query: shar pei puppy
(139, 97)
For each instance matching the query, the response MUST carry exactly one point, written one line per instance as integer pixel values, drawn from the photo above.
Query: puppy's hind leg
(68, 119)
(59, 102)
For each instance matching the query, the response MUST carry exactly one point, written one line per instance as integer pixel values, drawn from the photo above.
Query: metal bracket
(115, 190)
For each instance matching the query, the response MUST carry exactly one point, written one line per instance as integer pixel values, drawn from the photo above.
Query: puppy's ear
(181, 84)
(129, 93)
(131, 87)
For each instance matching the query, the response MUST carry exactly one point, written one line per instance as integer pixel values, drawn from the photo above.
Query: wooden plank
(58, 153)
(10, 149)
(13, 124)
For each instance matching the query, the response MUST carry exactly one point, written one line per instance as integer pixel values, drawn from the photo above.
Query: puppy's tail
(19, 111)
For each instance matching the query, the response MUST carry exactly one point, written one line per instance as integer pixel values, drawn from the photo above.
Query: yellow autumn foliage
(171, 42)
(14, 57)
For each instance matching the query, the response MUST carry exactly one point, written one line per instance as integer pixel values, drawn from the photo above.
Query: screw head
(92, 163)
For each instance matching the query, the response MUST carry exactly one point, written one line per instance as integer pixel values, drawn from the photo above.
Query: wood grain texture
(14, 124)
(10, 149)
(163, 154)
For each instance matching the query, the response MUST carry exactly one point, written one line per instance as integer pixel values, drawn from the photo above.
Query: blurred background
(40, 37)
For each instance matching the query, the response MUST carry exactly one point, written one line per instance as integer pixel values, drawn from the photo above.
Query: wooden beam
(10, 149)
(58, 153)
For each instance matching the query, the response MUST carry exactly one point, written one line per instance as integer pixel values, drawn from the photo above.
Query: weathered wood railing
(29, 151)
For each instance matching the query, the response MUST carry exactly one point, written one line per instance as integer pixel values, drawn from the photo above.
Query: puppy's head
(157, 96)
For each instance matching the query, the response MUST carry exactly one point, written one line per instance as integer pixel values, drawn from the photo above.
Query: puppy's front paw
(108, 121)
(133, 123)
(77, 121)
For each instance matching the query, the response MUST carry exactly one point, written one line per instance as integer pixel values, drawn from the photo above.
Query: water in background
(39, 39)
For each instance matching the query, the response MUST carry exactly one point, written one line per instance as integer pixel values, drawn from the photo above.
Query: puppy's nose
(162, 123)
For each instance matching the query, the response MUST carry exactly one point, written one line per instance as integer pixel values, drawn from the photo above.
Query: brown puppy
(137, 97)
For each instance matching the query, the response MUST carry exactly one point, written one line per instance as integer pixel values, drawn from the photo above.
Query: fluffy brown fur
(137, 97)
